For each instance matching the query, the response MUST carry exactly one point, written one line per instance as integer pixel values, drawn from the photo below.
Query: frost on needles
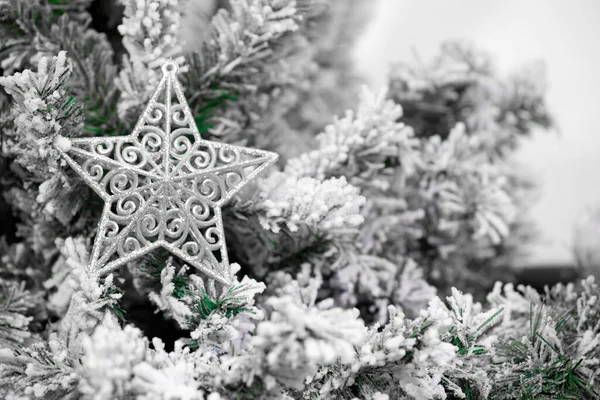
(347, 256)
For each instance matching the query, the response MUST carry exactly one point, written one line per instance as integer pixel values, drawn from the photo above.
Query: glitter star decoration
(163, 185)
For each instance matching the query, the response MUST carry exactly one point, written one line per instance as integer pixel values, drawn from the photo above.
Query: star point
(163, 185)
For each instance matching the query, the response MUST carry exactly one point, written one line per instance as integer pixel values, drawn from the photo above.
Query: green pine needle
(230, 306)
(181, 282)
(114, 308)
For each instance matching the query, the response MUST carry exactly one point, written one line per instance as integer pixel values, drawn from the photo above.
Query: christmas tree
(153, 248)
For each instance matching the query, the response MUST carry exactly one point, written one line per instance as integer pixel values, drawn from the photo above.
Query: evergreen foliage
(362, 234)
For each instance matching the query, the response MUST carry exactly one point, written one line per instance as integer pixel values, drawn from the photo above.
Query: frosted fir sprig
(176, 374)
(173, 295)
(150, 23)
(141, 370)
(89, 299)
(322, 205)
(403, 359)
(410, 290)
(446, 349)
(453, 155)
(362, 275)
(220, 320)
(361, 146)
(291, 345)
(246, 51)
(465, 188)
(468, 321)
(39, 29)
(475, 198)
(577, 305)
(150, 36)
(492, 209)
(390, 219)
(60, 283)
(43, 370)
(16, 48)
(239, 41)
(539, 362)
(549, 339)
(110, 354)
(524, 100)
(461, 83)
(441, 191)
(15, 304)
(463, 323)
(467, 326)
(223, 323)
(304, 286)
(514, 302)
(215, 316)
(42, 110)
(38, 233)
(14, 261)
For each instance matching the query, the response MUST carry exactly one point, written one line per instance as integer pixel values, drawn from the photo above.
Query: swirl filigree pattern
(163, 185)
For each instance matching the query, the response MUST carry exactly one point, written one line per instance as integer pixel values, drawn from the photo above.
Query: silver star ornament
(163, 185)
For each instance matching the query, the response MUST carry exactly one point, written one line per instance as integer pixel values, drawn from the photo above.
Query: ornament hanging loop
(169, 67)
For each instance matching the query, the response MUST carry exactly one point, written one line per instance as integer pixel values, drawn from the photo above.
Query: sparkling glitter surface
(163, 186)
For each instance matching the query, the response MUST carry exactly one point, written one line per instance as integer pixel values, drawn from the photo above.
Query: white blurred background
(565, 35)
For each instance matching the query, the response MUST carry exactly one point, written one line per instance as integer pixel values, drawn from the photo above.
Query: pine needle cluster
(346, 256)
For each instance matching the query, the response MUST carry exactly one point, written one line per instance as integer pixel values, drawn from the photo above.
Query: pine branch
(40, 31)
